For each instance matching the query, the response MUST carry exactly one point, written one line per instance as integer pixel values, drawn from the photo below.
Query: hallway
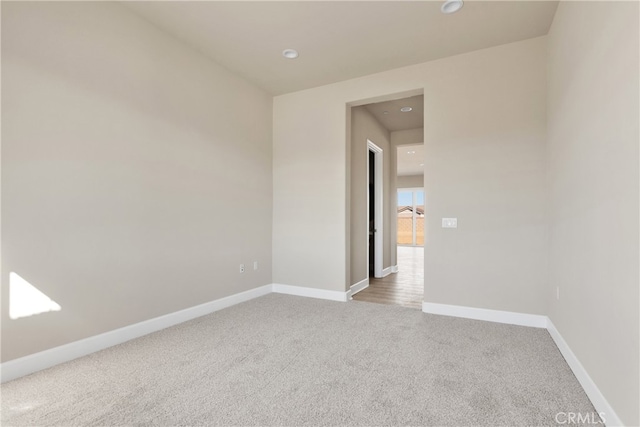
(405, 288)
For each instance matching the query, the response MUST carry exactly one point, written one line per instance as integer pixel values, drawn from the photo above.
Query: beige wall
(593, 174)
(364, 126)
(407, 137)
(485, 129)
(485, 165)
(410, 181)
(136, 174)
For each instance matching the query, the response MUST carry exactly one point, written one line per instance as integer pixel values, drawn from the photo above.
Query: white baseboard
(394, 268)
(597, 398)
(363, 284)
(301, 291)
(387, 271)
(45, 359)
(512, 318)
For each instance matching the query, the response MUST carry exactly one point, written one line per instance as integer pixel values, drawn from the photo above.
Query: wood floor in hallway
(405, 288)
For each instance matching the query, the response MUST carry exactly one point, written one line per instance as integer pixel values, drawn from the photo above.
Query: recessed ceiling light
(411, 152)
(290, 53)
(421, 164)
(385, 112)
(451, 6)
(406, 109)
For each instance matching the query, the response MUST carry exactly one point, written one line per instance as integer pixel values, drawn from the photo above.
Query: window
(411, 217)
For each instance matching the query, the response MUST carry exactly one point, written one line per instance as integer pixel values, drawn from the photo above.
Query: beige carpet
(284, 360)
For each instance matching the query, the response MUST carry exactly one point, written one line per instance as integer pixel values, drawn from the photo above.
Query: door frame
(378, 235)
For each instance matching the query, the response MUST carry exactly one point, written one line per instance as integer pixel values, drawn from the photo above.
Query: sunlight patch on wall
(27, 300)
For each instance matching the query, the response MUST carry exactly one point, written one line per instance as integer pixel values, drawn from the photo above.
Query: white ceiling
(389, 115)
(339, 40)
(410, 160)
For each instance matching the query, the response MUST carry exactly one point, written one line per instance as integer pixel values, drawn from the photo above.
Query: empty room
(203, 220)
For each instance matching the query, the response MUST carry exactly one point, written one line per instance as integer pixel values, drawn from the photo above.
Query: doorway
(379, 270)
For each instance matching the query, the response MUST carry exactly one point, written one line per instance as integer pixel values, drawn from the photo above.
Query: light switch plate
(449, 222)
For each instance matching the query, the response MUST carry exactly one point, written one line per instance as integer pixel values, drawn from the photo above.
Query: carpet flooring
(285, 360)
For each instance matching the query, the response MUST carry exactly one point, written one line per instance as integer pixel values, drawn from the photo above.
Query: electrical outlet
(255, 265)
(241, 268)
